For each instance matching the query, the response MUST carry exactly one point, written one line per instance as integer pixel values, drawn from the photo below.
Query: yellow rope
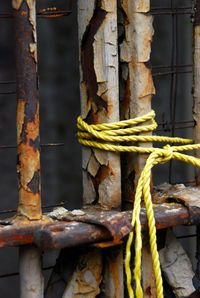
(122, 131)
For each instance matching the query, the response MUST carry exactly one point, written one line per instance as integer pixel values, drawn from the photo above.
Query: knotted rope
(97, 136)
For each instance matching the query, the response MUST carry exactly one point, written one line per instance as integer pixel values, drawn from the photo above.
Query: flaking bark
(136, 89)
(101, 170)
(99, 97)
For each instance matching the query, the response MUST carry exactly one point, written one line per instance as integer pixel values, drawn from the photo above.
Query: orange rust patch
(23, 12)
(20, 117)
(29, 204)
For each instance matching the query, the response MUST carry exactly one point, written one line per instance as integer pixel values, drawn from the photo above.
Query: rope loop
(110, 137)
(167, 154)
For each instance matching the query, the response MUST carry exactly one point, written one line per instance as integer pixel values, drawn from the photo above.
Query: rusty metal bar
(28, 140)
(174, 205)
(59, 234)
(41, 145)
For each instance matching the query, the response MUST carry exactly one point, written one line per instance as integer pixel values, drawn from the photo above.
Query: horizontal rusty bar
(80, 232)
(173, 206)
(41, 14)
(170, 72)
(41, 145)
(171, 10)
(7, 92)
(54, 235)
(172, 66)
(7, 82)
(53, 13)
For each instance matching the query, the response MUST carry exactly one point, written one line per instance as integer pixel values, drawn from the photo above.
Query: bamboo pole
(28, 141)
(136, 90)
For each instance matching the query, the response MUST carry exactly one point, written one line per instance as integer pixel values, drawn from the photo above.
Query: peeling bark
(86, 279)
(136, 90)
(113, 284)
(100, 103)
(136, 84)
(99, 93)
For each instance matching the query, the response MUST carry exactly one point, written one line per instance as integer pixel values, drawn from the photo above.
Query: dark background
(60, 105)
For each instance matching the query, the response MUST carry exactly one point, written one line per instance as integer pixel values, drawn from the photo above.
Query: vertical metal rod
(196, 109)
(28, 155)
(28, 161)
(136, 89)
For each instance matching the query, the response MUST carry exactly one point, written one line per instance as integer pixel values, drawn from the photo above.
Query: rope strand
(96, 136)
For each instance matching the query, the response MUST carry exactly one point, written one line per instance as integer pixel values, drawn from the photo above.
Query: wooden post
(31, 278)
(97, 22)
(99, 97)
(136, 89)
(28, 141)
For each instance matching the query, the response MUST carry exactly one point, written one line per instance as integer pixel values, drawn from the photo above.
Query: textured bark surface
(101, 170)
(99, 97)
(30, 269)
(136, 84)
(85, 280)
(136, 89)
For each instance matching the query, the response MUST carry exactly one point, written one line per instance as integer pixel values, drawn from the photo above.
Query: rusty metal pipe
(28, 140)
(56, 234)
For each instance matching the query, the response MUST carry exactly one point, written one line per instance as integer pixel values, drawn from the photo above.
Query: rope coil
(96, 136)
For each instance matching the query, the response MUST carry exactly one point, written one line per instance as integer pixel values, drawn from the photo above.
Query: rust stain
(16, 4)
(28, 162)
(24, 13)
(102, 173)
(87, 61)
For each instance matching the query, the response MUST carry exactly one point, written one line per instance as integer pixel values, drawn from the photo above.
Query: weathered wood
(100, 103)
(86, 279)
(136, 89)
(136, 84)
(99, 97)
(30, 269)
(97, 23)
(176, 266)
